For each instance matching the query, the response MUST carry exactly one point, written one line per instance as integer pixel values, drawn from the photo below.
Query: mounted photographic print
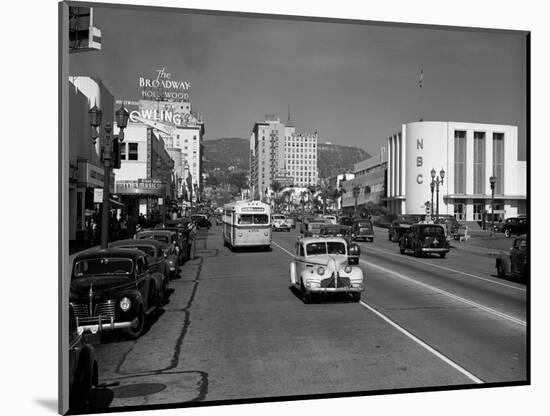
(269, 208)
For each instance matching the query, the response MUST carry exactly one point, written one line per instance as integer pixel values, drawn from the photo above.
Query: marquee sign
(153, 187)
(163, 87)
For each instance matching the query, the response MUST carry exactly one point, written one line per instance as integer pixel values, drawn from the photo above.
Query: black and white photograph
(261, 207)
(257, 208)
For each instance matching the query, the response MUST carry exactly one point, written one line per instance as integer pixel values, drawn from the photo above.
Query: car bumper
(434, 250)
(334, 289)
(107, 326)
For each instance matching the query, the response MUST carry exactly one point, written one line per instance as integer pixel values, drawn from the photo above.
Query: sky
(354, 84)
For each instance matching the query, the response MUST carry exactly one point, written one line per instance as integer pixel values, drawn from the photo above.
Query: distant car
(450, 223)
(331, 218)
(362, 230)
(279, 223)
(219, 219)
(321, 265)
(113, 289)
(311, 226)
(343, 231)
(201, 221)
(346, 221)
(83, 369)
(424, 239)
(183, 240)
(516, 225)
(401, 225)
(169, 239)
(290, 220)
(157, 259)
(513, 263)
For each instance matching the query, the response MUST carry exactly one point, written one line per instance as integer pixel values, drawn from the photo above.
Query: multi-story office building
(277, 153)
(469, 154)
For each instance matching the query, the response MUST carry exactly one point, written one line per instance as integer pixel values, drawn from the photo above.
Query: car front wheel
(307, 297)
(137, 331)
(500, 270)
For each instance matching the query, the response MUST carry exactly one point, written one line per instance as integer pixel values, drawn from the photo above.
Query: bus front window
(245, 219)
(261, 219)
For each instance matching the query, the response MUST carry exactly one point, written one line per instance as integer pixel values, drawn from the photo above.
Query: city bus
(247, 224)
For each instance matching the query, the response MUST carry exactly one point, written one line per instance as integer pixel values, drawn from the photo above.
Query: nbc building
(468, 154)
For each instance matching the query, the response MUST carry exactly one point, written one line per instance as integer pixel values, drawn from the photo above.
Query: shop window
(122, 151)
(132, 151)
(459, 211)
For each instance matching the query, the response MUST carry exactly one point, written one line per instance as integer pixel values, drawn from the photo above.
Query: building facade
(468, 154)
(85, 165)
(279, 154)
(368, 181)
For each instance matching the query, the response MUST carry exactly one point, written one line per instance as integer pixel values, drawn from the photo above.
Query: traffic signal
(428, 210)
(116, 153)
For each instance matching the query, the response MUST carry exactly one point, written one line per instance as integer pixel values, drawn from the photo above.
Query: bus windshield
(251, 219)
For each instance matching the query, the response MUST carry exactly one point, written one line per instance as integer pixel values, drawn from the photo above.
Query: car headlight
(266, 233)
(321, 270)
(347, 269)
(125, 304)
(239, 234)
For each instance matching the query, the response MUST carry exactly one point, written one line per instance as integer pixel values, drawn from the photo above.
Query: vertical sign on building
(149, 153)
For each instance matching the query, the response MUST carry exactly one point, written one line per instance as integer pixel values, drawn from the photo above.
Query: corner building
(469, 153)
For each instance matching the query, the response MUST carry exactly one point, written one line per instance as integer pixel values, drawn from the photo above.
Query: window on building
(460, 162)
(132, 151)
(122, 151)
(479, 163)
(459, 211)
(498, 162)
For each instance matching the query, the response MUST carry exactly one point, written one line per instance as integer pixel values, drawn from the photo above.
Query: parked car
(113, 289)
(83, 369)
(513, 263)
(362, 230)
(401, 225)
(346, 221)
(169, 240)
(515, 225)
(201, 221)
(182, 242)
(424, 239)
(321, 265)
(290, 220)
(450, 223)
(279, 223)
(157, 259)
(189, 229)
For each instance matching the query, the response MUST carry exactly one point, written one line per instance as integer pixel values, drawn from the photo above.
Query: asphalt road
(234, 330)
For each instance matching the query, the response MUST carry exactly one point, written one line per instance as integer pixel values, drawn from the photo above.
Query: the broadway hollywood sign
(153, 187)
(162, 86)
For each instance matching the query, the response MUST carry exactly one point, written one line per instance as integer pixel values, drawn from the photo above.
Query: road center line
(443, 292)
(423, 344)
(411, 336)
(437, 266)
(435, 289)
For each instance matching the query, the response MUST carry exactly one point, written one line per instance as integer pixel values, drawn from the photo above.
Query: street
(233, 329)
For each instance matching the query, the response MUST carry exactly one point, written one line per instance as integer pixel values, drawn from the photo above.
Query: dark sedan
(113, 289)
(362, 230)
(169, 239)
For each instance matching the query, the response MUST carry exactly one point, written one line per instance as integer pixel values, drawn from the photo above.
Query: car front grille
(335, 282)
(104, 309)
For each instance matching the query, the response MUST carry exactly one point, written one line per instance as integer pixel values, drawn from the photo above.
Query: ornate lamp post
(436, 181)
(492, 181)
(432, 187)
(95, 116)
(356, 188)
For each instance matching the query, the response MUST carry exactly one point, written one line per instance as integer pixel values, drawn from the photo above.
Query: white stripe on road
(435, 289)
(444, 268)
(424, 345)
(443, 292)
(412, 337)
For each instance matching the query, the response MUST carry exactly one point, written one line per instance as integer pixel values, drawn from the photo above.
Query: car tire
(442, 255)
(401, 249)
(135, 333)
(389, 237)
(307, 297)
(500, 270)
(356, 296)
(418, 251)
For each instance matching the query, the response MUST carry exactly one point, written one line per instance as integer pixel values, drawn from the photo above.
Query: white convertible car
(321, 265)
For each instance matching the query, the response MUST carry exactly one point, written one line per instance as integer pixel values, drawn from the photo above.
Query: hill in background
(231, 154)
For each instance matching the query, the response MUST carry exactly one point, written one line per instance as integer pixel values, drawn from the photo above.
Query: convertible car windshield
(102, 266)
(322, 248)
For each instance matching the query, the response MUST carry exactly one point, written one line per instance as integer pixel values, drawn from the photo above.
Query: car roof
(158, 231)
(109, 252)
(307, 240)
(135, 241)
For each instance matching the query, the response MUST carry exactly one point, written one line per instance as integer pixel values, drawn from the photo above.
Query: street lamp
(436, 181)
(356, 188)
(492, 181)
(432, 187)
(95, 116)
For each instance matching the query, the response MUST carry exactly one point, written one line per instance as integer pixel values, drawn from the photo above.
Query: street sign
(98, 195)
(160, 201)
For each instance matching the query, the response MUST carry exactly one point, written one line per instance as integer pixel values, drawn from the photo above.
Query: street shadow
(48, 404)
(328, 298)
(256, 249)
